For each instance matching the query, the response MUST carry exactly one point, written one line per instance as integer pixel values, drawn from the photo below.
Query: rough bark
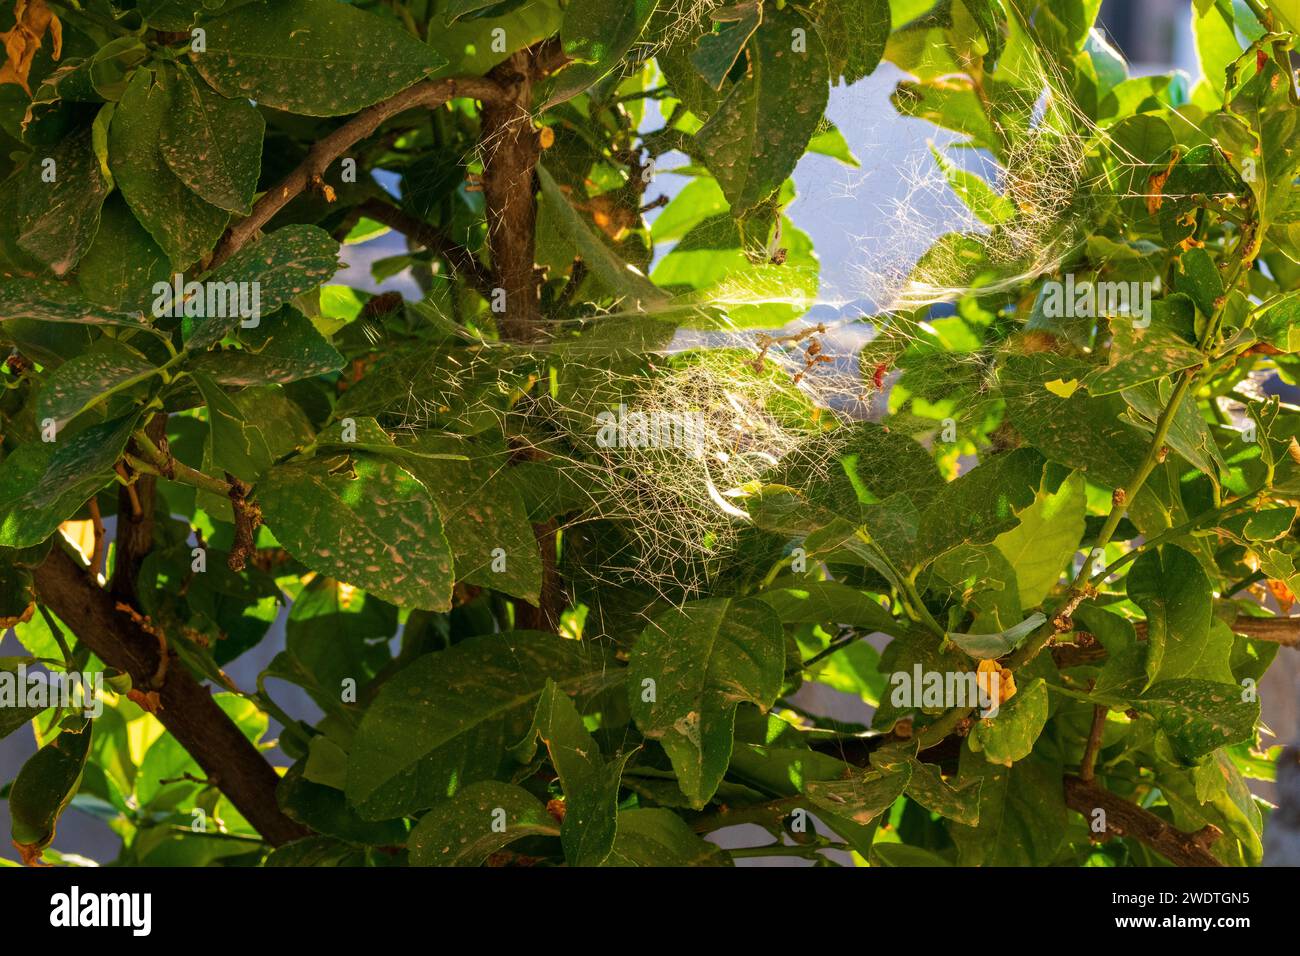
(186, 708)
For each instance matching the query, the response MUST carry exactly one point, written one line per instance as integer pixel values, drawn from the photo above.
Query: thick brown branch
(511, 148)
(1125, 819)
(311, 171)
(462, 261)
(1277, 630)
(186, 708)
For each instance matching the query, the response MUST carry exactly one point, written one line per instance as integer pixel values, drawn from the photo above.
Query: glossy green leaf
(478, 821)
(755, 138)
(314, 57)
(365, 521)
(446, 720)
(689, 670)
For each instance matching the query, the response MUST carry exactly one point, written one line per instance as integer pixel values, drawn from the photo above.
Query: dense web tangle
(700, 425)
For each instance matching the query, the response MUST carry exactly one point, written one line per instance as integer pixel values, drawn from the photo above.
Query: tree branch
(462, 261)
(135, 523)
(1277, 630)
(311, 171)
(511, 148)
(1125, 819)
(186, 708)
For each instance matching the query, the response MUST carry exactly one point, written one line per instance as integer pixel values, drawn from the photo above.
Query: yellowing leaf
(1061, 388)
(32, 19)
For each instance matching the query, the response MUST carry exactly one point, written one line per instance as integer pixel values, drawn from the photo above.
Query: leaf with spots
(477, 822)
(983, 503)
(1175, 594)
(47, 301)
(658, 837)
(1010, 736)
(44, 484)
(365, 521)
(484, 514)
(283, 347)
(181, 222)
(690, 669)
(598, 34)
(717, 52)
(108, 367)
(57, 219)
(590, 783)
(1200, 716)
(863, 797)
(287, 263)
(213, 144)
(123, 264)
(447, 719)
(855, 33)
(314, 57)
(1022, 812)
(754, 140)
(960, 803)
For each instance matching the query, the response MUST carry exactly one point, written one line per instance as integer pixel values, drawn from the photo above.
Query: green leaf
(990, 646)
(1200, 716)
(1175, 594)
(484, 516)
(983, 503)
(716, 53)
(44, 787)
(821, 602)
(43, 484)
(334, 634)
(120, 269)
(445, 720)
(183, 224)
(598, 34)
(212, 144)
(57, 220)
(284, 264)
(1022, 813)
(617, 277)
(855, 33)
(1040, 547)
(657, 837)
(1010, 736)
(990, 206)
(235, 444)
(80, 382)
(314, 57)
(689, 670)
(12, 716)
(325, 810)
(46, 301)
(590, 784)
(477, 822)
(1216, 41)
(284, 347)
(457, 9)
(1199, 278)
(365, 521)
(926, 785)
(754, 140)
(862, 798)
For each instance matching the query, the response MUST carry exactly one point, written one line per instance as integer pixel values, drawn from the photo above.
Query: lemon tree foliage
(564, 537)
